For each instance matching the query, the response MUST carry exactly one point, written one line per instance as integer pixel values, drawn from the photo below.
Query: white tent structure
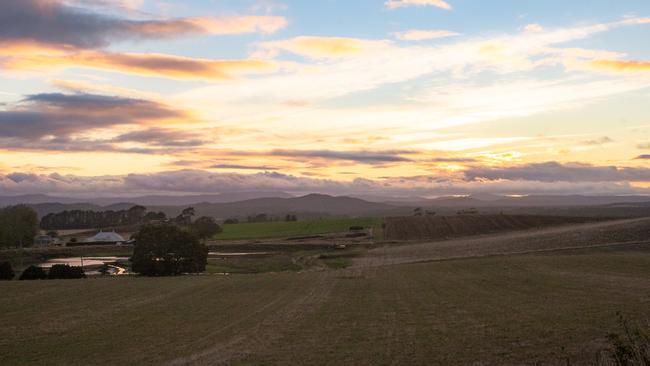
(106, 237)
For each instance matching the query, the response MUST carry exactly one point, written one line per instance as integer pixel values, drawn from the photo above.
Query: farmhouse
(105, 237)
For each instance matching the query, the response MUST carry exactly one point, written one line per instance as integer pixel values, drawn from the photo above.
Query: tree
(185, 218)
(6, 272)
(18, 226)
(205, 227)
(33, 273)
(136, 214)
(167, 250)
(65, 272)
(155, 216)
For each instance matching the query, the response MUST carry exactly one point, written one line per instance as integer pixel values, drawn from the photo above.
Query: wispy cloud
(393, 4)
(150, 64)
(421, 35)
(243, 167)
(365, 157)
(533, 28)
(322, 47)
(621, 65)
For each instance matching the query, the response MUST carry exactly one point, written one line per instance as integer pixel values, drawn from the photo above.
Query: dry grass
(501, 310)
(444, 227)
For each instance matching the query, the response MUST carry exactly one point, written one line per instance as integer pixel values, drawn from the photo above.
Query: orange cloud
(149, 64)
(621, 65)
(393, 4)
(323, 47)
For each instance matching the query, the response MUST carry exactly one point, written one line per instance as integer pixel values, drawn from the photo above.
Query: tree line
(85, 219)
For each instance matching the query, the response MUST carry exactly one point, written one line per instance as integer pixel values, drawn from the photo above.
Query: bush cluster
(57, 272)
(65, 272)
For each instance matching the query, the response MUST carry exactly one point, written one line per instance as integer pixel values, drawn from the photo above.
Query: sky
(378, 97)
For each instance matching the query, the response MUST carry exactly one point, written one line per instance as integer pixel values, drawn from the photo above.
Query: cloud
(557, 172)
(322, 47)
(164, 137)
(533, 28)
(243, 167)
(394, 4)
(54, 22)
(388, 63)
(364, 157)
(598, 142)
(452, 160)
(56, 114)
(46, 35)
(421, 35)
(150, 64)
(621, 65)
(199, 181)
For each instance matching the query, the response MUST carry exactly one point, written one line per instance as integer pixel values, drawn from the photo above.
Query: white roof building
(106, 237)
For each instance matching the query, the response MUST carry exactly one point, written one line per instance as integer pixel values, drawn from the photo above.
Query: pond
(91, 265)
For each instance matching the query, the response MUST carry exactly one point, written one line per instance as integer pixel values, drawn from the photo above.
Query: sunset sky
(391, 98)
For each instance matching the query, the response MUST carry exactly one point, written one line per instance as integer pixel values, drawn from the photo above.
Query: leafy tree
(135, 214)
(185, 218)
(205, 227)
(6, 272)
(65, 272)
(33, 273)
(231, 221)
(167, 250)
(155, 216)
(18, 226)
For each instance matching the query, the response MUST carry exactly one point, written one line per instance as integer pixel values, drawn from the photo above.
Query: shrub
(6, 272)
(632, 346)
(33, 273)
(65, 272)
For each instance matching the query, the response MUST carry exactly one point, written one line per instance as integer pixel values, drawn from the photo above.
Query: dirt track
(566, 237)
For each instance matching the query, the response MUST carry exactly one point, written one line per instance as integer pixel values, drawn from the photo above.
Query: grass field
(282, 229)
(499, 310)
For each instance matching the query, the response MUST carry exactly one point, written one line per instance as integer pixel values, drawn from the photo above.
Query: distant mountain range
(151, 200)
(314, 205)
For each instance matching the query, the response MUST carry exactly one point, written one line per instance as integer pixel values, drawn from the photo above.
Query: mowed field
(282, 229)
(483, 302)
